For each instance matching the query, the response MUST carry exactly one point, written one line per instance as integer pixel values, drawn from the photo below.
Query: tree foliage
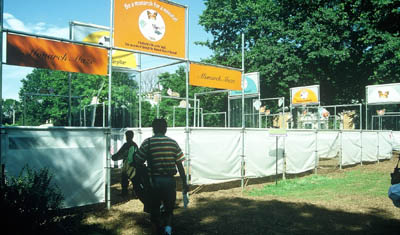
(44, 95)
(341, 45)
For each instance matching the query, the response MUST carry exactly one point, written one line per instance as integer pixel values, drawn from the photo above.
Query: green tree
(341, 45)
(11, 112)
(44, 95)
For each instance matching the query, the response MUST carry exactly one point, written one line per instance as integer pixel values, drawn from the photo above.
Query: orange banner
(48, 54)
(150, 26)
(215, 77)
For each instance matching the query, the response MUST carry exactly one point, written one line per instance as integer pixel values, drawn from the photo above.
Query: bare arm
(182, 174)
(121, 153)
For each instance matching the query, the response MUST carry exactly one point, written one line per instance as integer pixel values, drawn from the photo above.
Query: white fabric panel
(300, 152)
(215, 155)
(328, 144)
(369, 146)
(351, 147)
(146, 133)
(396, 140)
(77, 158)
(260, 154)
(385, 144)
(179, 135)
(117, 140)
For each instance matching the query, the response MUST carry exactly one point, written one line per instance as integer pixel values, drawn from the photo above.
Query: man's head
(129, 135)
(159, 126)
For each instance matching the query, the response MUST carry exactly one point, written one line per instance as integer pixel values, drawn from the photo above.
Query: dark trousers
(164, 191)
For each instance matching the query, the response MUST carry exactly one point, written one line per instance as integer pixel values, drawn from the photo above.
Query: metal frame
(202, 117)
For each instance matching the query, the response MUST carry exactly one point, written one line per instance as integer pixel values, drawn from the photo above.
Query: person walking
(122, 154)
(164, 157)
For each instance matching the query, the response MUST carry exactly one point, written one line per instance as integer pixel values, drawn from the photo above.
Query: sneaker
(167, 230)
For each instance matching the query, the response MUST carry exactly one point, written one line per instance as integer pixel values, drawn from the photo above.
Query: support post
(243, 121)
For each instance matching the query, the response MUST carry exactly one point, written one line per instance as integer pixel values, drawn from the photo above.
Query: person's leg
(124, 183)
(155, 202)
(169, 192)
(134, 195)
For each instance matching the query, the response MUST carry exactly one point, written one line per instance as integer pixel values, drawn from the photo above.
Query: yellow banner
(150, 26)
(49, 54)
(119, 58)
(215, 77)
(305, 96)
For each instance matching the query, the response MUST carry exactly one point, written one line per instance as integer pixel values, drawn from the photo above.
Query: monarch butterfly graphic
(383, 94)
(151, 16)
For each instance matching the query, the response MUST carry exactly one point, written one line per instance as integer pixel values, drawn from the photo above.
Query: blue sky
(52, 17)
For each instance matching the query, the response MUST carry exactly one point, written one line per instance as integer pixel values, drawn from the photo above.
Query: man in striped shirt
(163, 156)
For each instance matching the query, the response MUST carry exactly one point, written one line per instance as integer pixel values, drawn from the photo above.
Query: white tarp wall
(369, 146)
(260, 153)
(328, 144)
(117, 140)
(300, 150)
(215, 155)
(396, 140)
(351, 147)
(76, 157)
(385, 142)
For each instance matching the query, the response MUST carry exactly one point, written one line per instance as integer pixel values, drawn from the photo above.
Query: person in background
(164, 157)
(122, 154)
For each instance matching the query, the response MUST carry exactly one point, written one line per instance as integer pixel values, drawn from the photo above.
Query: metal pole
(360, 116)
(69, 82)
(104, 114)
(84, 115)
(24, 118)
(243, 121)
(108, 172)
(187, 140)
(69, 100)
(335, 118)
(229, 112)
(1, 86)
(140, 93)
(173, 117)
(1, 63)
(366, 108)
(276, 160)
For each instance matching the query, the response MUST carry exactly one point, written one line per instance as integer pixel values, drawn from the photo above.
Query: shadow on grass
(245, 216)
(233, 215)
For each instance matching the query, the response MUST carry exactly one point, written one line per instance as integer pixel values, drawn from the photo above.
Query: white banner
(251, 85)
(386, 93)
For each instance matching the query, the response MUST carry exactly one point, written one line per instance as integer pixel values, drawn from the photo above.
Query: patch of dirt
(225, 209)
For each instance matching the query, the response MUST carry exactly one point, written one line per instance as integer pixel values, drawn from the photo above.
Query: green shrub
(29, 202)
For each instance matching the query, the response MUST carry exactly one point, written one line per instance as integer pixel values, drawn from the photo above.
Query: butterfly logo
(151, 16)
(383, 94)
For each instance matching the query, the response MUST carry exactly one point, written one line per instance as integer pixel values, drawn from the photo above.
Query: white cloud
(41, 28)
(13, 23)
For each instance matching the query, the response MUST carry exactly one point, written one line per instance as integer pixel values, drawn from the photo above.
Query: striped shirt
(165, 153)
